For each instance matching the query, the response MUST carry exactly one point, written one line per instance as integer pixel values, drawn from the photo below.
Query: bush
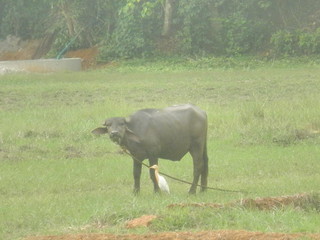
(127, 41)
(296, 43)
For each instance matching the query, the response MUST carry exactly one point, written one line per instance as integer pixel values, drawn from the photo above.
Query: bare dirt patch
(212, 235)
(87, 55)
(13, 48)
(267, 203)
(142, 221)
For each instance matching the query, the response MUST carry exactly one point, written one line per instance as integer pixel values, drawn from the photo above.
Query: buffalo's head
(117, 129)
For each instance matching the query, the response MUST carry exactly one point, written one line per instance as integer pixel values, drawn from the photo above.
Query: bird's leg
(153, 175)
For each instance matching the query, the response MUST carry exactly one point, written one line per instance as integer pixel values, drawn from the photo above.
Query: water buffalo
(167, 133)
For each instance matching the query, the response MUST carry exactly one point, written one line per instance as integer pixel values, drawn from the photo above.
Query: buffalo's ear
(132, 136)
(100, 130)
(129, 133)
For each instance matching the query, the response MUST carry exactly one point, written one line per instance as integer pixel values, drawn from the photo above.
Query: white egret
(162, 183)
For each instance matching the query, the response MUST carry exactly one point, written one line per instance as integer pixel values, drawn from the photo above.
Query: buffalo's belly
(174, 152)
(172, 157)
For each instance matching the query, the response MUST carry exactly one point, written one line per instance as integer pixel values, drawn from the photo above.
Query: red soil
(205, 235)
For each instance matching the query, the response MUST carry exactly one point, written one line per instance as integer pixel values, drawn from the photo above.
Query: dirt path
(205, 235)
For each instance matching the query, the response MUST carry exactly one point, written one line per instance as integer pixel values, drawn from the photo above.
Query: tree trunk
(167, 18)
(67, 14)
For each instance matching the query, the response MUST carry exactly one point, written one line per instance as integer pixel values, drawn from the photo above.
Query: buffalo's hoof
(192, 192)
(136, 191)
(204, 189)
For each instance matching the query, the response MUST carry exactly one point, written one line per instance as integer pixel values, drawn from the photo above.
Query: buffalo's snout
(115, 136)
(114, 133)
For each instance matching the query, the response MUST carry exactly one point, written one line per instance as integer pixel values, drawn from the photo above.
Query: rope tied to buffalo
(181, 180)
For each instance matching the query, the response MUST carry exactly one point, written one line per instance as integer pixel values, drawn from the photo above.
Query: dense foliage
(135, 28)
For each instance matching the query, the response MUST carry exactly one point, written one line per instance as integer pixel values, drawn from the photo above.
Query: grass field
(56, 177)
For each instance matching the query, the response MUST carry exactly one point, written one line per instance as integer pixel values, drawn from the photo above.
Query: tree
(134, 28)
(167, 18)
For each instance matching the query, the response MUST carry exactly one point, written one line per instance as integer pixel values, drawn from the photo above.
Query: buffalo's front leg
(136, 175)
(153, 176)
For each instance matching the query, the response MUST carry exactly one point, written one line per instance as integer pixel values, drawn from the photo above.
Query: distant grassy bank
(202, 63)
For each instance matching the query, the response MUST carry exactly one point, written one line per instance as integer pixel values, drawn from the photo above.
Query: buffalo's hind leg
(205, 170)
(196, 153)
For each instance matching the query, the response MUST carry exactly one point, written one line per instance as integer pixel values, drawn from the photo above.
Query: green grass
(55, 177)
